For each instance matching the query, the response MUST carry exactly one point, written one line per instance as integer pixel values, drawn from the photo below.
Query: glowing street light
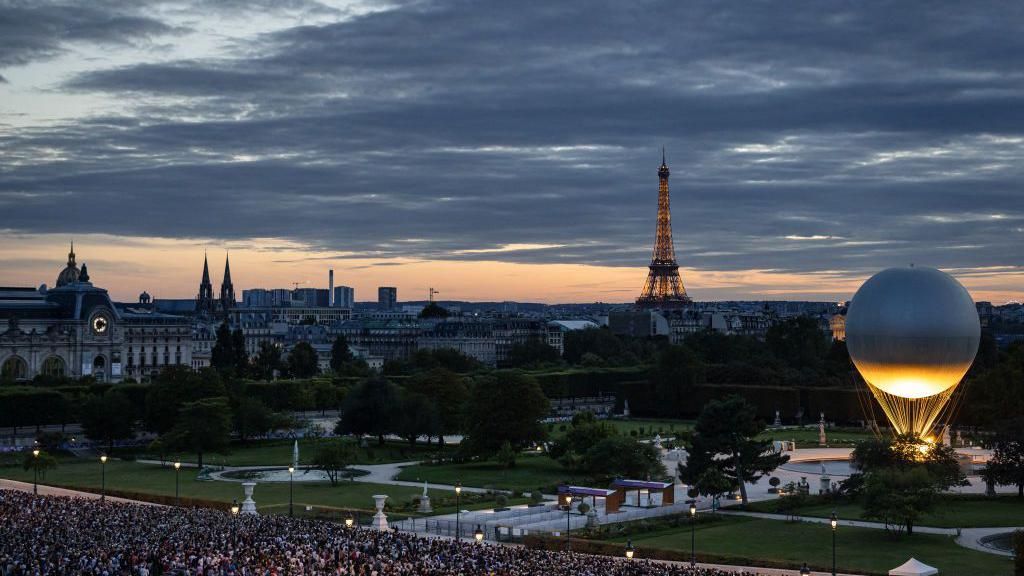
(35, 468)
(693, 532)
(103, 478)
(291, 491)
(835, 524)
(349, 521)
(629, 549)
(177, 484)
(478, 534)
(458, 511)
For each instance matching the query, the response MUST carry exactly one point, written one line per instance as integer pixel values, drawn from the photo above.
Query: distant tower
(663, 288)
(227, 289)
(204, 302)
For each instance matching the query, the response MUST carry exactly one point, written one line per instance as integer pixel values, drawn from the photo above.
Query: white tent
(913, 567)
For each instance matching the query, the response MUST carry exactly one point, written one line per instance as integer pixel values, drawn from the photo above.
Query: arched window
(99, 368)
(54, 366)
(14, 368)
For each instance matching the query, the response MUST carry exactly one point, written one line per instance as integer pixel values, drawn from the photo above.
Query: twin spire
(205, 302)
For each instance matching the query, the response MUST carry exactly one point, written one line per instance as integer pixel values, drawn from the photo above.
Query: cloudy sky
(508, 150)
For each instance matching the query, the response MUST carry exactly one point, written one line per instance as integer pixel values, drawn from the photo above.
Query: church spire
(204, 301)
(227, 289)
(206, 271)
(71, 254)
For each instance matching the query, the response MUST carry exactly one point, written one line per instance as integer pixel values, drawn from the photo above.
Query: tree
(222, 357)
(267, 361)
(325, 396)
(333, 457)
(372, 407)
(108, 418)
(906, 452)
(899, 497)
(600, 342)
(533, 352)
(253, 418)
(1007, 463)
(506, 456)
(433, 310)
(240, 355)
(341, 355)
(505, 406)
(449, 394)
(586, 431)
(676, 371)
(202, 426)
(621, 456)
(798, 342)
(41, 463)
(725, 438)
(303, 361)
(418, 417)
(173, 387)
(712, 483)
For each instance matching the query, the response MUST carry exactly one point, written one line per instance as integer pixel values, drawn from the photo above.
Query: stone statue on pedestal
(778, 419)
(424, 506)
(822, 439)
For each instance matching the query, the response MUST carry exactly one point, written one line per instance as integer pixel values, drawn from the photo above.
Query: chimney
(330, 288)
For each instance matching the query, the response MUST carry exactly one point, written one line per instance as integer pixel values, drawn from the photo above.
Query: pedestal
(248, 505)
(380, 520)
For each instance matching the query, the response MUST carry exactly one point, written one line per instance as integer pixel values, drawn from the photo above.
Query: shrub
(501, 500)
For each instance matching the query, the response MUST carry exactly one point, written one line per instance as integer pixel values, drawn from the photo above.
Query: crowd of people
(42, 535)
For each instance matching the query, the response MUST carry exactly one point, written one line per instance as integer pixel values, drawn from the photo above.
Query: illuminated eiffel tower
(663, 288)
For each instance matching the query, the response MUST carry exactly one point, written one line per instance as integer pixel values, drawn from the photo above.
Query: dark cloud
(35, 29)
(823, 137)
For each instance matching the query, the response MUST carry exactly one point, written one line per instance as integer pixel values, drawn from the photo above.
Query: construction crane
(296, 284)
(433, 293)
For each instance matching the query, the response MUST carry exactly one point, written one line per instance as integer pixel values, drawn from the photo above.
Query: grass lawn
(279, 453)
(809, 436)
(951, 512)
(857, 549)
(270, 497)
(529, 473)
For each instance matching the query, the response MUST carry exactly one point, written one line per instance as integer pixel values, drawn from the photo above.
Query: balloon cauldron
(912, 333)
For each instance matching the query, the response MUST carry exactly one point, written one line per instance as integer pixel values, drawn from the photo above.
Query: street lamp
(478, 534)
(693, 533)
(629, 549)
(103, 478)
(835, 524)
(805, 571)
(291, 491)
(458, 511)
(234, 507)
(349, 521)
(177, 484)
(568, 519)
(35, 468)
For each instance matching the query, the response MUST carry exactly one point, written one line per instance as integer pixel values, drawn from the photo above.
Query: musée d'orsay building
(74, 329)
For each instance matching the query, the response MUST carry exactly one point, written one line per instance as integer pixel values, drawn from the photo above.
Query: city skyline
(514, 161)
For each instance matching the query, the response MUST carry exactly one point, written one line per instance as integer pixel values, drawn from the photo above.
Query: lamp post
(693, 533)
(478, 534)
(291, 491)
(629, 549)
(35, 471)
(568, 519)
(177, 484)
(103, 478)
(458, 511)
(349, 521)
(805, 571)
(835, 524)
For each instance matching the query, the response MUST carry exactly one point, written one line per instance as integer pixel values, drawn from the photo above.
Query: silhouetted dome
(70, 273)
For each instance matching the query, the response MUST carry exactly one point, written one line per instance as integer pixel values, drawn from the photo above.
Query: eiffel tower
(663, 288)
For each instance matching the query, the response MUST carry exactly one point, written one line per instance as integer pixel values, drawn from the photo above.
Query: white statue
(822, 440)
(295, 455)
(424, 506)
(778, 419)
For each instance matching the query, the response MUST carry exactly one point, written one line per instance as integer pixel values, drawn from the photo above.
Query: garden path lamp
(478, 534)
(35, 468)
(693, 533)
(103, 478)
(291, 491)
(805, 571)
(629, 549)
(835, 524)
(177, 484)
(349, 521)
(458, 511)
(234, 507)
